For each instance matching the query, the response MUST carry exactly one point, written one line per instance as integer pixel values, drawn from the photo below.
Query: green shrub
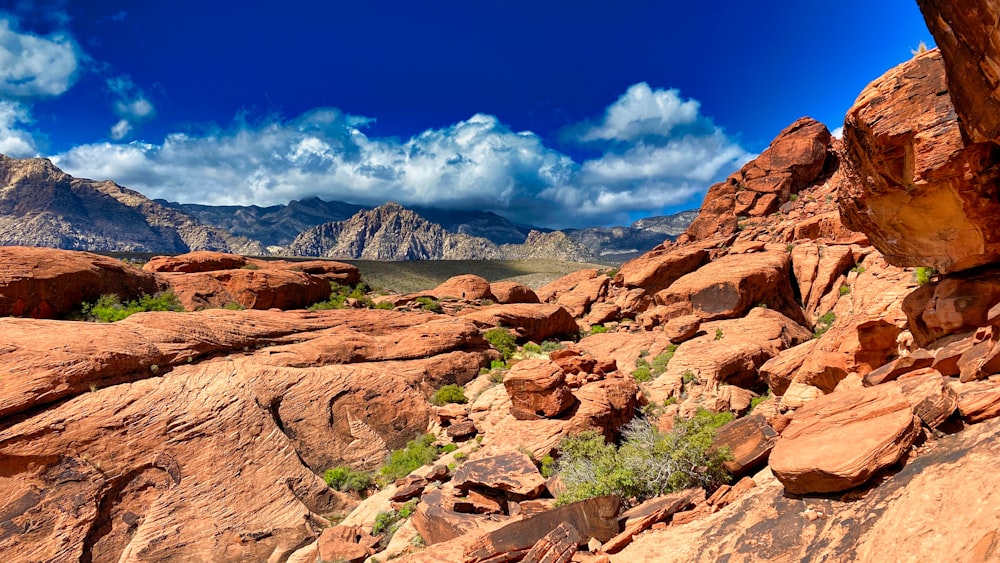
(646, 371)
(688, 376)
(233, 306)
(109, 308)
(551, 346)
(642, 371)
(845, 290)
(450, 393)
(759, 399)
(532, 348)
(718, 334)
(598, 329)
(661, 361)
(250, 266)
(417, 453)
(858, 269)
(347, 479)
(824, 323)
(501, 339)
(448, 448)
(339, 294)
(648, 463)
(548, 468)
(383, 305)
(388, 522)
(924, 274)
(459, 456)
(429, 304)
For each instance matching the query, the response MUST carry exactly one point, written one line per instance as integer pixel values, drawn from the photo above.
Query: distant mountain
(390, 232)
(672, 225)
(273, 226)
(485, 224)
(41, 205)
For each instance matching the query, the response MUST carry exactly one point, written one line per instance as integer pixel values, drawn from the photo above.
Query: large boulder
(252, 289)
(537, 389)
(512, 292)
(467, 287)
(198, 261)
(923, 193)
(966, 34)
(511, 474)
(957, 303)
(531, 321)
(46, 283)
(839, 441)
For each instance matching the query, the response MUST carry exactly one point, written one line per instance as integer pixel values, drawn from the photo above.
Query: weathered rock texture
(922, 192)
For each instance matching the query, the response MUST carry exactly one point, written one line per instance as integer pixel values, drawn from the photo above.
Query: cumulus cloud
(33, 66)
(14, 141)
(131, 106)
(838, 133)
(477, 163)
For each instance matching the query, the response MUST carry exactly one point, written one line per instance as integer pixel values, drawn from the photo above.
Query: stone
(750, 440)
(558, 546)
(732, 285)
(552, 290)
(579, 299)
(512, 292)
(512, 473)
(919, 359)
(839, 441)
(593, 518)
(535, 322)
(462, 430)
(953, 304)
(436, 520)
(344, 543)
(965, 35)
(978, 400)
(407, 488)
(657, 269)
(467, 287)
(682, 328)
(251, 289)
(921, 191)
(198, 261)
(654, 510)
(933, 401)
(45, 283)
(537, 389)
(818, 269)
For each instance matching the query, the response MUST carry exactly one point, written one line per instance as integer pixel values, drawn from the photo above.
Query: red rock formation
(923, 193)
(537, 389)
(46, 283)
(466, 287)
(199, 261)
(252, 289)
(512, 292)
(536, 322)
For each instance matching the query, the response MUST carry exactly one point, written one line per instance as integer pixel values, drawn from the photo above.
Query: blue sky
(551, 113)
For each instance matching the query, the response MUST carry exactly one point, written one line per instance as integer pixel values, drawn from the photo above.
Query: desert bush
(429, 304)
(598, 329)
(647, 463)
(824, 323)
(924, 274)
(109, 308)
(551, 346)
(501, 339)
(388, 522)
(417, 453)
(339, 294)
(450, 393)
(346, 479)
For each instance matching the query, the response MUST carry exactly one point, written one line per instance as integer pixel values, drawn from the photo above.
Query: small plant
(598, 329)
(548, 466)
(384, 306)
(718, 334)
(824, 323)
(109, 308)
(418, 452)
(448, 448)
(642, 372)
(154, 369)
(789, 247)
(339, 294)
(669, 401)
(450, 393)
(233, 306)
(429, 304)
(845, 290)
(551, 346)
(532, 348)
(924, 274)
(388, 522)
(250, 266)
(346, 479)
(688, 376)
(501, 339)
(793, 197)
(759, 399)
(459, 456)
(858, 269)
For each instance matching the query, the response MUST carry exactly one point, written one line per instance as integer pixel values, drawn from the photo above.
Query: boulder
(578, 299)
(818, 269)
(552, 290)
(46, 283)
(536, 322)
(952, 304)
(839, 441)
(537, 389)
(933, 401)
(334, 547)
(750, 440)
(642, 517)
(339, 272)
(978, 400)
(437, 521)
(198, 261)
(966, 36)
(512, 292)
(657, 269)
(251, 289)
(466, 287)
(558, 546)
(512, 473)
(732, 285)
(921, 191)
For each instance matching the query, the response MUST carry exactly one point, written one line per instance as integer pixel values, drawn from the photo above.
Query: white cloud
(131, 106)
(478, 163)
(642, 112)
(838, 133)
(14, 141)
(35, 66)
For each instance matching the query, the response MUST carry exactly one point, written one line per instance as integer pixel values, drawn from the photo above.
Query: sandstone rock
(652, 511)
(839, 441)
(578, 300)
(967, 42)
(252, 289)
(921, 190)
(537, 389)
(779, 371)
(658, 269)
(978, 400)
(732, 285)
(817, 269)
(512, 292)
(623, 348)
(198, 261)
(595, 517)
(512, 473)
(956, 303)
(558, 546)
(552, 290)
(919, 359)
(462, 430)
(467, 287)
(750, 440)
(536, 322)
(333, 548)
(343, 274)
(682, 328)
(932, 400)
(45, 283)
(437, 521)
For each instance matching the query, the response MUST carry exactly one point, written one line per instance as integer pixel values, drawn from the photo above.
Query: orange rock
(553, 289)
(839, 441)
(198, 261)
(467, 287)
(657, 269)
(46, 283)
(512, 473)
(750, 440)
(921, 189)
(956, 303)
(252, 289)
(537, 389)
(536, 322)
(931, 398)
(978, 400)
(512, 292)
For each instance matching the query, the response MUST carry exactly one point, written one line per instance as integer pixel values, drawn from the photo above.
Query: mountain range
(40, 205)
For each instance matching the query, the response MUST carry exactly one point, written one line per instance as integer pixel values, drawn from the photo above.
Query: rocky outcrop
(250, 289)
(537, 389)
(46, 283)
(512, 292)
(922, 193)
(466, 287)
(536, 322)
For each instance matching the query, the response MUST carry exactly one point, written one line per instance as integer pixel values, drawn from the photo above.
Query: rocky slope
(42, 206)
